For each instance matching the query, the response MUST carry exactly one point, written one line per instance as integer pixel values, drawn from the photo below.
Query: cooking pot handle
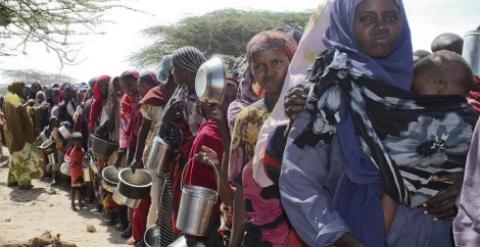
(217, 176)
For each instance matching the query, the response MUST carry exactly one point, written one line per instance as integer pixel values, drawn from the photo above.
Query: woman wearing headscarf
(180, 124)
(248, 92)
(19, 133)
(257, 215)
(364, 134)
(152, 106)
(100, 96)
(154, 97)
(65, 108)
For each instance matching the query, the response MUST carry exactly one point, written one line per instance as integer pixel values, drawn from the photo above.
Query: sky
(108, 53)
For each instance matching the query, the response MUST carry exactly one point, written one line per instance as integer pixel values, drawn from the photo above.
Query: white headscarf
(310, 46)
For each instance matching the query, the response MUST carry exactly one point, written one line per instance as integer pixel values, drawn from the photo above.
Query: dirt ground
(28, 214)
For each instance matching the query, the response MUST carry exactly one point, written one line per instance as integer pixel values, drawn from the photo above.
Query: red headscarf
(98, 99)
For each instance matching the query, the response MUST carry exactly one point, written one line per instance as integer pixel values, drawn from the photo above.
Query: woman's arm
(307, 184)
(238, 229)
(142, 137)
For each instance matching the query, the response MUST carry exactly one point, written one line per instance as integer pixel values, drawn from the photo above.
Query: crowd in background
(342, 135)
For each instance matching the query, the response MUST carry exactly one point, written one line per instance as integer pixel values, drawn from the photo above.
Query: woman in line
(254, 222)
(347, 157)
(19, 133)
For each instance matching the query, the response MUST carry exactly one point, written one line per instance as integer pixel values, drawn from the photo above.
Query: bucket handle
(215, 169)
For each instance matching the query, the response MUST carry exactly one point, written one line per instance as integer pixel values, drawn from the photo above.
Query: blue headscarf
(396, 69)
(359, 191)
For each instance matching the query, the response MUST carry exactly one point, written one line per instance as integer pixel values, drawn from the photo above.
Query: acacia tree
(49, 22)
(224, 31)
(35, 75)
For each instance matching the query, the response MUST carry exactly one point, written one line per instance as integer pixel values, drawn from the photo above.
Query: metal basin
(210, 81)
(471, 51)
(125, 201)
(152, 236)
(48, 146)
(110, 178)
(133, 186)
(102, 149)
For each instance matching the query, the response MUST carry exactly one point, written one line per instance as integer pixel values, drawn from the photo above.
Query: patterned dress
(265, 223)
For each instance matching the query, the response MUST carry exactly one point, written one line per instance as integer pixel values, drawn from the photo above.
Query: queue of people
(343, 137)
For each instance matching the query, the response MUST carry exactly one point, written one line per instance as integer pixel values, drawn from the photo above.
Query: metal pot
(133, 186)
(159, 156)
(196, 206)
(210, 81)
(125, 201)
(48, 146)
(109, 178)
(471, 51)
(65, 169)
(64, 132)
(102, 149)
(152, 236)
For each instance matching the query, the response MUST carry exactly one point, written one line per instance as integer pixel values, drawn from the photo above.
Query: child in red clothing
(75, 160)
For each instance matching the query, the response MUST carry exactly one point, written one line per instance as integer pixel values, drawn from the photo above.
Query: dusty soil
(25, 215)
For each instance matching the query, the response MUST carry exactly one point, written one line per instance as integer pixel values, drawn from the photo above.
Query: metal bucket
(196, 206)
(471, 51)
(159, 156)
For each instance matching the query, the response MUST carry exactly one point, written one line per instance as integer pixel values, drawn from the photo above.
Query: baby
(442, 73)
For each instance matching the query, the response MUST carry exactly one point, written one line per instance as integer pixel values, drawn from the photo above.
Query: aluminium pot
(132, 187)
(196, 207)
(102, 149)
(471, 51)
(210, 81)
(48, 146)
(152, 236)
(160, 153)
(64, 132)
(110, 178)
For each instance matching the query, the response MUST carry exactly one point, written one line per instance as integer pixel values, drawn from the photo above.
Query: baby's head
(442, 73)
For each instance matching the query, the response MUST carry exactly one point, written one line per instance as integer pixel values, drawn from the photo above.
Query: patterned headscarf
(189, 58)
(271, 39)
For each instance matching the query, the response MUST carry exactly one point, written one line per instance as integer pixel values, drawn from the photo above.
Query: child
(442, 73)
(75, 158)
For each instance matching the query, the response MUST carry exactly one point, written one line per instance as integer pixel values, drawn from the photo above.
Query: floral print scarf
(408, 138)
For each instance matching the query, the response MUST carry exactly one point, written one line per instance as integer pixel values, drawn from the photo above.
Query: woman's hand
(136, 164)
(442, 206)
(208, 156)
(295, 101)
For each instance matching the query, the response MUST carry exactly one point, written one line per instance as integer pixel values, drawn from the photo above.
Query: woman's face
(377, 26)
(269, 69)
(144, 87)
(130, 86)
(104, 87)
